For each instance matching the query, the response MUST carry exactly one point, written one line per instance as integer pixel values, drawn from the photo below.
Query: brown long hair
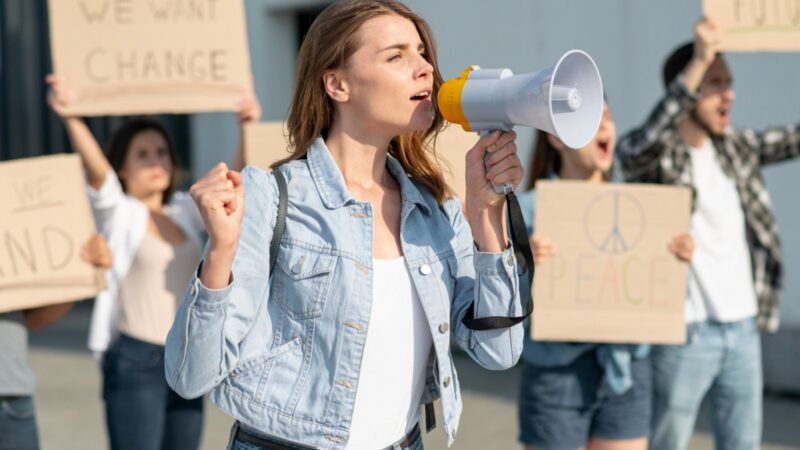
(330, 41)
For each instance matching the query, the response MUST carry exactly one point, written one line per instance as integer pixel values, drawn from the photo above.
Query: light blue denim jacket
(282, 355)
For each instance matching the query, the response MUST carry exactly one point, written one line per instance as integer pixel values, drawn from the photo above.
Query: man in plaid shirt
(736, 272)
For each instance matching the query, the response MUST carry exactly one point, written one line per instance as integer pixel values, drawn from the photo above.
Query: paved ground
(70, 413)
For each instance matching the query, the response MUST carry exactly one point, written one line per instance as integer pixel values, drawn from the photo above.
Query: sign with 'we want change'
(150, 56)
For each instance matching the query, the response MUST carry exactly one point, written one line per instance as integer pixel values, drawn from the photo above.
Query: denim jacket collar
(330, 182)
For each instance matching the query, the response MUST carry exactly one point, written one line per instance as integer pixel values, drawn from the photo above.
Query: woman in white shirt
(377, 269)
(156, 235)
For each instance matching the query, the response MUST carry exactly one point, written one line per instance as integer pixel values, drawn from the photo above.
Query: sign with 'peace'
(612, 277)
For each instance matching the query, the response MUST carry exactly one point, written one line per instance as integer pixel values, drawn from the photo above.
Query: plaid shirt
(655, 153)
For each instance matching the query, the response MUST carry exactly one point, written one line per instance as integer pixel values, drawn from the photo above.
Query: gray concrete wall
(628, 39)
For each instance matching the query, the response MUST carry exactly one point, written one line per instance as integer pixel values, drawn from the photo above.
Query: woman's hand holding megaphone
(483, 206)
(502, 165)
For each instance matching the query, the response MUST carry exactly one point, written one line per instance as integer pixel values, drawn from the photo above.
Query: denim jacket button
(425, 269)
(446, 382)
(444, 327)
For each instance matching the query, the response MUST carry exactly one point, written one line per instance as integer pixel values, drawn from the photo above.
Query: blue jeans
(142, 412)
(722, 360)
(18, 424)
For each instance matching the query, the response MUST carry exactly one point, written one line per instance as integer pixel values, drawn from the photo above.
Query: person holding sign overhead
(18, 427)
(582, 395)
(736, 273)
(156, 235)
(340, 342)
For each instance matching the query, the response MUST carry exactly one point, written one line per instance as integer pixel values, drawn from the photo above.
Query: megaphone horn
(565, 100)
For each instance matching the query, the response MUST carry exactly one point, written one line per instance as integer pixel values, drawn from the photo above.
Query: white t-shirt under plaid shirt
(720, 284)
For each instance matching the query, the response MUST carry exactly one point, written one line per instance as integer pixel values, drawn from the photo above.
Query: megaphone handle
(505, 188)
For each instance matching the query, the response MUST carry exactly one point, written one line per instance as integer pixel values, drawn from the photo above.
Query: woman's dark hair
(546, 161)
(120, 144)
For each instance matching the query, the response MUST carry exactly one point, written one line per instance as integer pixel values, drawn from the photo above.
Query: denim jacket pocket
(303, 282)
(273, 353)
(248, 375)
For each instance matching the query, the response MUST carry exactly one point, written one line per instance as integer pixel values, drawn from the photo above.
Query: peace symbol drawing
(626, 220)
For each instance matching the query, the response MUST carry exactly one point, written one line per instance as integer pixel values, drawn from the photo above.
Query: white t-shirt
(720, 284)
(392, 376)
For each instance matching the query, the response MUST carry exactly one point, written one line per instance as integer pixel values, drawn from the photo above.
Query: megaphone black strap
(522, 250)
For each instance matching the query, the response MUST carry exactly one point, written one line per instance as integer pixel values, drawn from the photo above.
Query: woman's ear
(556, 142)
(336, 86)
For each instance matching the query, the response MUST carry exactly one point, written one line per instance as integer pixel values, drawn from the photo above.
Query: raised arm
(223, 302)
(95, 162)
(641, 149)
(491, 281)
(485, 271)
(247, 111)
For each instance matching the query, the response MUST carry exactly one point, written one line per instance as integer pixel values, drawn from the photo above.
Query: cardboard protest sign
(265, 143)
(150, 56)
(756, 25)
(44, 222)
(452, 146)
(612, 278)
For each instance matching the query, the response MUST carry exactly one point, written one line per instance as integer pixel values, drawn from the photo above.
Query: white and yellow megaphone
(565, 100)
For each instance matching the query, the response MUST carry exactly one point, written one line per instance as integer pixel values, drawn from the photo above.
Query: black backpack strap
(280, 221)
(522, 250)
(430, 417)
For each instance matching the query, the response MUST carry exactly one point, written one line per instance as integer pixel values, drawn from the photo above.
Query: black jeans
(142, 412)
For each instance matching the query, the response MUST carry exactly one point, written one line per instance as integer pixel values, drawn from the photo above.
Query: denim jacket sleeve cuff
(498, 273)
(494, 263)
(206, 298)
